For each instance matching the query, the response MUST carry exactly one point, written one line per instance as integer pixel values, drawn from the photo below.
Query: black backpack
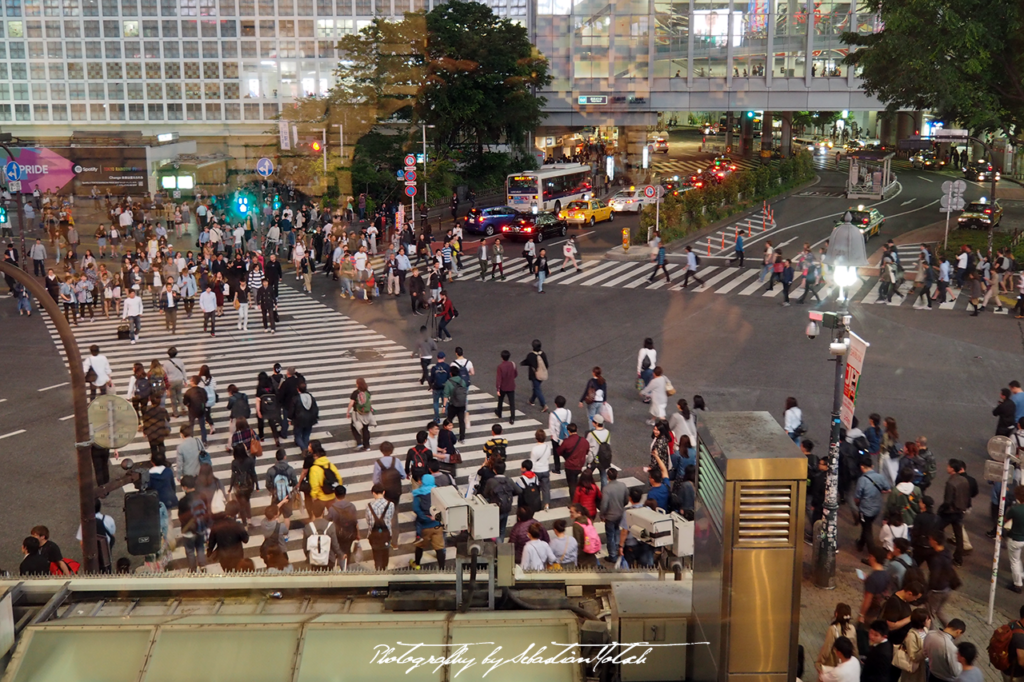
(269, 407)
(530, 497)
(503, 494)
(604, 454)
(104, 544)
(143, 388)
(330, 480)
(459, 393)
(241, 480)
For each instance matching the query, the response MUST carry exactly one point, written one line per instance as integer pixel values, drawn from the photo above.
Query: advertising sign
(60, 169)
(851, 382)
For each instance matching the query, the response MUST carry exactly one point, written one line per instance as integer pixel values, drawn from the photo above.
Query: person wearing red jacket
(444, 315)
(587, 494)
(573, 451)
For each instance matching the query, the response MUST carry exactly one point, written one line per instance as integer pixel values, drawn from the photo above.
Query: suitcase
(123, 331)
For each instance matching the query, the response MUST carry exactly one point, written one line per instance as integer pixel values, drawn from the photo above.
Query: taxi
(587, 211)
(981, 215)
(630, 200)
(868, 220)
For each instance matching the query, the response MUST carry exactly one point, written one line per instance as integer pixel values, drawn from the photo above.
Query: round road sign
(410, 176)
(265, 167)
(649, 191)
(410, 190)
(410, 160)
(113, 421)
(13, 171)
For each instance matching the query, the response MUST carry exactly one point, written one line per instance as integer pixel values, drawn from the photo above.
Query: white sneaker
(133, 342)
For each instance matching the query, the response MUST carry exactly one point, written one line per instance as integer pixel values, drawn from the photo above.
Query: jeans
(442, 328)
(867, 533)
(39, 268)
(640, 554)
(192, 419)
(659, 266)
(785, 291)
(425, 364)
(437, 395)
(135, 325)
(537, 395)
(502, 525)
(541, 276)
(957, 521)
(592, 409)
(604, 477)
(346, 286)
(646, 375)
(766, 269)
(302, 436)
(611, 537)
(544, 483)
(195, 551)
(511, 395)
(1013, 548)
(102, 388)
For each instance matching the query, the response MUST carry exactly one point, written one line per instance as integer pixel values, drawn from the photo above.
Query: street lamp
(845, 254)
(424, 126)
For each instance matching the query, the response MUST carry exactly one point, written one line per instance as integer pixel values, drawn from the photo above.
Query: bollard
(709, 246)
(723, 241)
(737, 237)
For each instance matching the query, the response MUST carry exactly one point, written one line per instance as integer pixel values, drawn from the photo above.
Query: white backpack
(318, 546)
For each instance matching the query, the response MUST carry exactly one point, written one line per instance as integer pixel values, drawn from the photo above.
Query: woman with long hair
(841, 626)
(659, 449)
(158, 379)
(360, 412)
(793, 420)
(208, 384)
(892, 450)
(657, 392)
(243, 481)
(594, 394)
(587, 494)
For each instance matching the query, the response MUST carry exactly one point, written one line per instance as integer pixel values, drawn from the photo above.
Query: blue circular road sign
(13, 171)
(265, 167)
(410, 190)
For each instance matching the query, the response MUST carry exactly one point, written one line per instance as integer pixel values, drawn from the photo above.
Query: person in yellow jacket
(323, 476)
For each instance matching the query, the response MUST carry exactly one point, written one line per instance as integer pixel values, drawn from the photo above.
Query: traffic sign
(410, 183)
(12, 171)
(649, 191)
(410, 160)
(410, 176)
(410, 190)
(954, 187)
(400, 174)
(265, 167)
(948, 133)
(954, 204)
(14, 186)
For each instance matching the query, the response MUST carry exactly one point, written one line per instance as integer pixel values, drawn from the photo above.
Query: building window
(305, 8)
(133, 70)
(95, 71)
(154, 91)
(190, 49)
(152, 70)
(287, 28)
(195, 112)
(230, 70)
(131, 29)
(252, 112)
(96, 91)
(270, 111)
(60, 112)
(168, 8)
(132, 49)
(232, 112)
(286, 49)
(227, 8)
(189, 8)
(42, 112)
(21, 112)
(136, 112)
(58, 93)
(210, 49)
(174, 112)
(54, 50)
(135, 91)
(13, 10)
(171, 49)
(19, 92)
(56, 72)
(267, 28)
(266, 8)
(75, 71)
(5, 91)
(246, 8)
(213, 112)
(248, 48)
(248, 29)
(39, 92)
(112, 49)
(3, 72)
(129, 8)
(150, 8)
(33, 8)
(110, 8)
(111, 29)
(212, 90)
(75, 91)
(208, 28)
(114, 71)
(116, 111)
(98, 112)
(72, 29)
(229, 49)
(192, 90)
(73, 49)
(172, 70)
(192, 70)
(325, 8)
(325, 28)
(207, 8)
(189, 29)
(17, 50)
(211, 70)
(151, 29)
(174, 91)
(19, 72)
(37, 71)
(35, 49)
(231, 91)
(156, 112)
(267, 49)
(94, 49)
(90, 8)
(151, 49)
(91, 29)
(229, 29)
(52, 29)
(115, 91)
(170, 28)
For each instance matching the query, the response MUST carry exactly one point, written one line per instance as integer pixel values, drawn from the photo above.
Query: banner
(121, 170)
(286, 140)
(851, 382)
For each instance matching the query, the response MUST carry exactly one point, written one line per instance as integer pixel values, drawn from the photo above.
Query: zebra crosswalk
(685, 167)
(331, 351)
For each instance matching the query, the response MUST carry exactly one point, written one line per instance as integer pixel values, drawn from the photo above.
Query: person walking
(956, 501)
(38, 255)
(455, 398)
(498, 260)
(429, 533)
(304, 414)
(812, 269)
(541, 269)
(692, 261)
(738, 251)
(657, 392)
(787, 281)
(130, 311)
(169, 304)
(360, 414)
(208, 304)
(594, 394)
(445, 314)
(659, 263)
(529, 253)
(241, 303)
(767, 261)
(841, 626)
(505, 384)
(97, 372)
(265, 302)
(569, 252)
(537, 363)
(868, 498)
(379, 515)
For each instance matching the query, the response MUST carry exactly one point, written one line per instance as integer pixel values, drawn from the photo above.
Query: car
(661, 145)
(675, 188)
(587, 211)
(540, 226)
(702, 179)
(980, 171)
(629, 200)
(868, 220)
(927, 160)
(981, 215)
(853, 146)
(489, 221)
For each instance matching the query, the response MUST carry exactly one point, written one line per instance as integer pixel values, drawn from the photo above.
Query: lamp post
(845, 253)
(424, 126)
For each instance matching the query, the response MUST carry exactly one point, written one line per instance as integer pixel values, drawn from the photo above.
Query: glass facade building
(210, 63)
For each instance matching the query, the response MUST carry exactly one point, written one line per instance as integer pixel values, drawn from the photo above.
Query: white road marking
(54, 386)
(909, 201)
(70, 416)
(925, 179)
(12, 433)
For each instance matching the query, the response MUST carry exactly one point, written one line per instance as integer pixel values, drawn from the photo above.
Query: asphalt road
(937, 374)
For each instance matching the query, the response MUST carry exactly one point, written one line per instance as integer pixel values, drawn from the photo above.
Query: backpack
(318, 546)
(604, 452)
(282, 487)
(439, 377)
(459, 395)
(330, 481)
(463, 370)
(363, 400)
(379, 535)
(390, 478)
(503, 494)
(530, 497)
(496, 450)
(204, 456)
(143, 388)
(270, 408)
(591, 540)
(563, 427)
(646, 364)
(542, 368)
(972, 484)
(274, 539)
(696, 259)
(913, 574)
(241, 479)
(999, 645)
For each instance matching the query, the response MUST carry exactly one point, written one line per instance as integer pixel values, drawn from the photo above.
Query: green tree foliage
(961, 58)
(481, 75)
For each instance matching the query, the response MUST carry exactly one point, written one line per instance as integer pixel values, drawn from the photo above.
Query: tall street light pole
(845, 253)
(424, 126)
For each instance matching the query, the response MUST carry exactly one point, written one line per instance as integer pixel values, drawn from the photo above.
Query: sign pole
(999, 538)
(949, 206)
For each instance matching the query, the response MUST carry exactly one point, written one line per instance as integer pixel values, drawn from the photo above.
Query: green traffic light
(750, 114)
(3, 215)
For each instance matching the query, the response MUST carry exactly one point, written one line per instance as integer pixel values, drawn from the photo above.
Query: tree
(814, 119)
(481, 76)
(963, 59)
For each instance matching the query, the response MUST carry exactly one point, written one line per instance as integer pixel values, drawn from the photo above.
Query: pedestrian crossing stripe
(331, 350)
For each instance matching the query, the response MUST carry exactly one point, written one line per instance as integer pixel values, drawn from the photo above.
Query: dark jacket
(154, 424)
(195, 400)
(288, 389)
(272, 272)
(878, 665)
(531, 362)
(506, 377)
(1005, 411)
(265, 298)
(227, 539)
(163, 483)
(302, 417)
(957, 497)
(573, 450)
(520, 535)
(816, 489)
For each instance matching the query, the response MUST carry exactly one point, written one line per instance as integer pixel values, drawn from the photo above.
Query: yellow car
(589, 212)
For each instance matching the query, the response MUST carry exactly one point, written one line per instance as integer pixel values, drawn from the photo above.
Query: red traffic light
(315, 146)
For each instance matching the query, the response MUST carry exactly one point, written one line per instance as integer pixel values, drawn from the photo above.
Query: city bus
(550, 188)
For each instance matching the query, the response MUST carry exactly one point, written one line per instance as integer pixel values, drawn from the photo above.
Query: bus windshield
(522, 184)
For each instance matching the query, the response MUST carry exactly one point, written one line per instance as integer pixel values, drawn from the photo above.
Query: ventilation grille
(765, 514)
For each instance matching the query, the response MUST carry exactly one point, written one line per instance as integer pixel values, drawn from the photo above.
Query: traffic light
(242, 205)
(315, 146)
(750, 114)
(277, 202)
(3, 214)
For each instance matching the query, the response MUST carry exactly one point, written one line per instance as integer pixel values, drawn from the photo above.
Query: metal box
(483, 518)
(682, 536)
(452, 506)
(656, 612)
(650, 526)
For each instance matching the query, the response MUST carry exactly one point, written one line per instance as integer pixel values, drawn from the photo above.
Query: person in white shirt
(360, 258)
(131, 310)
(691, 268)
(371, 236)
(597, 437)
(792, 419)
(125, 219)
(848, 669)
(208, 304)
(563, 545)
(466, 365)
(540, 455)
(558, 426)
(98, 364)
(646, 361)
(569, 254)
(682, 424)
(537, 554)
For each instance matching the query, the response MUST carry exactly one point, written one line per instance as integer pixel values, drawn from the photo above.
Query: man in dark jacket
(286, 393)
(227, 538)
(955, 502)
(194, 401)
(534, 360)
(304, 414)
(417, 291)
(272, 273)
(573, 451)
(878, 665)
(1006, 412)
(926, 524)
(816, 490)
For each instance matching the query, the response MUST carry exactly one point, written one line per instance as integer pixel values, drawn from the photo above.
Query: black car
(980, 171)
(527, 226)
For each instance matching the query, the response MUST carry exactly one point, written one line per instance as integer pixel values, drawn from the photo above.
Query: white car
(629, 201)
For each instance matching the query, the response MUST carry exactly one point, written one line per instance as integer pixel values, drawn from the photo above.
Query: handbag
(237, 304)
(607, 412)
(255, 447)
(669, 388)
(455, 457)
(217, 502)
(639, 383)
